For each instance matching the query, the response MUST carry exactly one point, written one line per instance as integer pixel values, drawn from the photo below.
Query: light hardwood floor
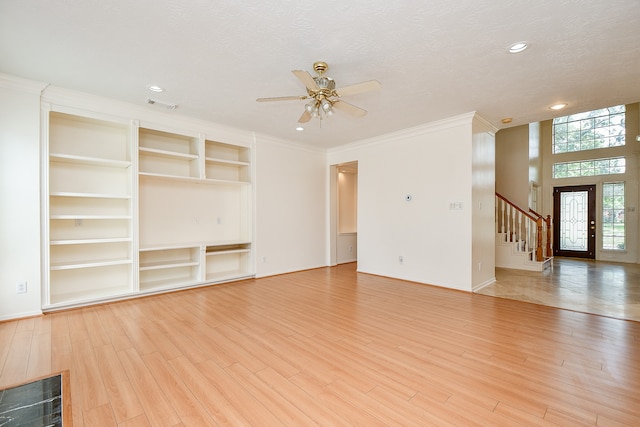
(332, 347)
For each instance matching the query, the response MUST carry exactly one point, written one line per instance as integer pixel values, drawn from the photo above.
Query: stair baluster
(525, 229)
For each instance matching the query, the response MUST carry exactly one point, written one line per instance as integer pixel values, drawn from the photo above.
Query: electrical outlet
(264, 259)
(21, 288)
(400, 259)
(350, 248)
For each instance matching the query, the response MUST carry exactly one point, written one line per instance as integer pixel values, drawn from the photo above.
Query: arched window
(601, 128)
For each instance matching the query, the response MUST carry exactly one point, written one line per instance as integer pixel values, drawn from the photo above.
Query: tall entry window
(613, 233)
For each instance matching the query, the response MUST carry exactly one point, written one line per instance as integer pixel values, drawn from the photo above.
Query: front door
(574, 227)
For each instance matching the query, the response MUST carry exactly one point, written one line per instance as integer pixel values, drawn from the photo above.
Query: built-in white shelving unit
(169, 267)
(137, 209)
(168, 154)
(90, 235)
(226, 162)
(226, 261)
(194, 202)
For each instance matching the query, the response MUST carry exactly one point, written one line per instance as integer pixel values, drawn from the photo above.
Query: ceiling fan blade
(305, 117)
(306, 79)
(282, 98)
(359, 88)
(349, 108)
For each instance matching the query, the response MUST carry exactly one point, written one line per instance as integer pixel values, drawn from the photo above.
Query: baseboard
(483, 285)
(16, 316)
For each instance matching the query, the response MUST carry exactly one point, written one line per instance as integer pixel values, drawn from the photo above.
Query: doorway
(574, 226)
(344, 213)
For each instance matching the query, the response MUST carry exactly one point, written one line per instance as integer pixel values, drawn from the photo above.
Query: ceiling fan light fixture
(323, 95)
(326, 105)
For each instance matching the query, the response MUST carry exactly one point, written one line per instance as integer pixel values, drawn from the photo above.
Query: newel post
(548, 246)
(539, 256)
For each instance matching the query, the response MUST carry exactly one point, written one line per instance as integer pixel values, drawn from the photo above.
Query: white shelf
(164, 265)
(172, 177)
(230, 251)
(83, 160)
(222, 276)
(167, 154)
(222, 152)
(162, 247)
(225, 182)
(168, 284)
(217, 161)
(90, 264)
(85, 296)
(89, 241)
(89, 195)
(73, 217)
(191, 179)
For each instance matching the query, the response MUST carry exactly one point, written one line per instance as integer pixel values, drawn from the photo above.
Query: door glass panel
(573, 221)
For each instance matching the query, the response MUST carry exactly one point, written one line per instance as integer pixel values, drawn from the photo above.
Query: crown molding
(488, 127)
(145, 115)
(8, 81)
(292, 145)
(446, 123)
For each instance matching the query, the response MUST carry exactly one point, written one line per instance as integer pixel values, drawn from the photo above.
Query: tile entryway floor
(597, 287)
(38, 403)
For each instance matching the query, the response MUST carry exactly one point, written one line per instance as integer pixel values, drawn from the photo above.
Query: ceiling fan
(324, 96)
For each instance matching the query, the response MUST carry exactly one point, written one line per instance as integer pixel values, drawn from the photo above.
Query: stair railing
(523, 228)
(547, 226)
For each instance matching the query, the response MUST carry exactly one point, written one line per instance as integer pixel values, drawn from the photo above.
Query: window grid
(613, 230)
(601, 128)
(607, 166)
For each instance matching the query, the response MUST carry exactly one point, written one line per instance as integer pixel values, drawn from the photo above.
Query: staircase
(523, 238)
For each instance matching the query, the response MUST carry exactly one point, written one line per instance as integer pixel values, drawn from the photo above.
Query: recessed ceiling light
(558, 106)
(155, 88)
(517, 47)
(299, 128)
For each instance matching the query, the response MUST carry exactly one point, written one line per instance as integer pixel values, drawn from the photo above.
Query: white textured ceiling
(435, 59)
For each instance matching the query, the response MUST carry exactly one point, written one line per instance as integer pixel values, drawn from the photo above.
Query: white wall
(433, 231)
(19, 197)
(535, 153)
(512, 164)
(483, 207)
(290, 207)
